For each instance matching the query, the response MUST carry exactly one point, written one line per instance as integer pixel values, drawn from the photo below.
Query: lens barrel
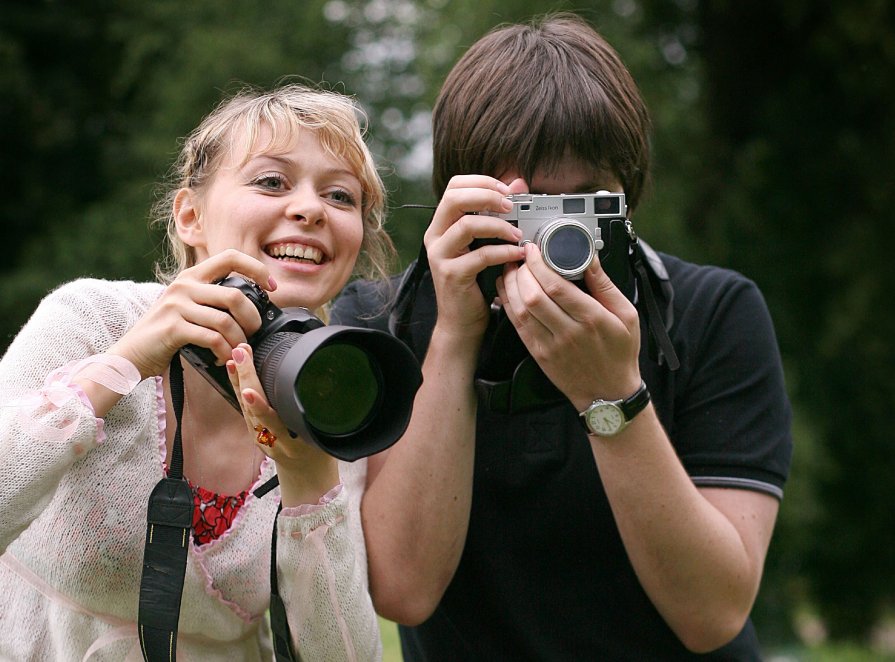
(348, 390)
(567, 246)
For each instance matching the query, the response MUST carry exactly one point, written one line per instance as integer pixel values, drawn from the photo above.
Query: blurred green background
(774, 141)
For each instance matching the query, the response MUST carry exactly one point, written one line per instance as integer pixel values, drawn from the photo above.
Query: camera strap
(169, 520)
(647, 265)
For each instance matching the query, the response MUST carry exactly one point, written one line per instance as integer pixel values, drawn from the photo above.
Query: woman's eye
(271, 182)
(344, 197)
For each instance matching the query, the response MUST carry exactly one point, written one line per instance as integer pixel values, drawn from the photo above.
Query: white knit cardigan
(73, 494)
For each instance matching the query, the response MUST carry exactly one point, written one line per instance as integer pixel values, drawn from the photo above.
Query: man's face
(572, 175)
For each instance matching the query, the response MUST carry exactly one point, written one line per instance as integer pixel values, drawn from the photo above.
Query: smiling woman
(277, 187)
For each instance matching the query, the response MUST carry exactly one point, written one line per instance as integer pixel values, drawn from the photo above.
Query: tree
(797, 193)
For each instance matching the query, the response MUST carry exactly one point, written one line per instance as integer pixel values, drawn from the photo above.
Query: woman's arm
(323, 583)
(47, 422)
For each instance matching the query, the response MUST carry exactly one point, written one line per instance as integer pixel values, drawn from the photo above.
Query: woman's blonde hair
(233, 127)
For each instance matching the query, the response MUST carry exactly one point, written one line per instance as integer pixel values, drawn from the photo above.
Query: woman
(278, 187)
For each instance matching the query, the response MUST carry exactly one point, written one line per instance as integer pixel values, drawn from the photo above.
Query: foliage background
(774, 142)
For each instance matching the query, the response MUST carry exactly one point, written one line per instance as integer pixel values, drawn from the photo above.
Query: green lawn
(391, 651)
(391, 647)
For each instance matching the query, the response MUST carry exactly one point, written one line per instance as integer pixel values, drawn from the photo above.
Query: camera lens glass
(340, 388)
(568, 248)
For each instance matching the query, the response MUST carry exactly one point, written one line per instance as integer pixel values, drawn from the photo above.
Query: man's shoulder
(702, 283)
(367, 302)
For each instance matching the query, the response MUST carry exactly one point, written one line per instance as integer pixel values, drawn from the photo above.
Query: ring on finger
(265, 437)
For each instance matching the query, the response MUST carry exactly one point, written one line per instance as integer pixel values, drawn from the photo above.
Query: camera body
(565, 227)
(569, 229)
(273, 320)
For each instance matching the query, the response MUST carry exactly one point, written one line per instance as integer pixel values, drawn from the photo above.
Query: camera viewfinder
(573, 206)
(606, 206)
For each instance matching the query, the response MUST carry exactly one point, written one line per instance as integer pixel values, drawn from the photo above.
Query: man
(512, 530)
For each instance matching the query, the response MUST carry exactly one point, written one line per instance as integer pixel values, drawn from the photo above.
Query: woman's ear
(187, 218)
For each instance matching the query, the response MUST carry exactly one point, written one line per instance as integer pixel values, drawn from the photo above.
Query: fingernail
(249, 397)
(239, 355)
(271, 284)
(231, 367)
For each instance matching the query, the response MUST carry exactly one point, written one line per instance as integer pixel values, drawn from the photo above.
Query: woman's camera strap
(169, 520)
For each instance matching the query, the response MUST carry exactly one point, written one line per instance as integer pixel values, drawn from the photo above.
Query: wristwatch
(606, 418)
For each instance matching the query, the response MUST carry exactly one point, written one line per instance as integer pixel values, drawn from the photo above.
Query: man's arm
(697, 553)
(417, 504)
(416, 508)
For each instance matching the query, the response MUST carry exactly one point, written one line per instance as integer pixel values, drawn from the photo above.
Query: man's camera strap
(657, 322)
(169, 520)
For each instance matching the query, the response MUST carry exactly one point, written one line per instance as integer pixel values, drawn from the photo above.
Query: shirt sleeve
(732, 416)
(323, 583)
(46, 421)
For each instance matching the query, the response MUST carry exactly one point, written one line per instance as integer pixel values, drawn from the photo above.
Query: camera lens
(567, 246)
(339, 388)
(348, 390)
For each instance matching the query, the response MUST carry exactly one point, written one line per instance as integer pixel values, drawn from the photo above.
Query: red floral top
(213, 513)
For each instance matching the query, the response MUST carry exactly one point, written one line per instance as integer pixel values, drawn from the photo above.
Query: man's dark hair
(527, 96)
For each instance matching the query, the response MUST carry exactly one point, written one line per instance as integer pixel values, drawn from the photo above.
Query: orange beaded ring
(265, 436)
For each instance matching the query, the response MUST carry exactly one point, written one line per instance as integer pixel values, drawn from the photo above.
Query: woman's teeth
(296, 252)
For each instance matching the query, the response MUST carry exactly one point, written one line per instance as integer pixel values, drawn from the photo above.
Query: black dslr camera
(348, 390)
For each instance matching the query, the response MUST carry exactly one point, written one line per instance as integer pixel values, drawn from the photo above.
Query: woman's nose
(305, 205)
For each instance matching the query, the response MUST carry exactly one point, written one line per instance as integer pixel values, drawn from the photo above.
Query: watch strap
(636, 403)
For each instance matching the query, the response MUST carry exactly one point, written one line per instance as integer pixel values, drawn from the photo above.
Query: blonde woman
(278, 187)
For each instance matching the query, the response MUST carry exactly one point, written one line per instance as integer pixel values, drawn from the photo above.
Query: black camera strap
(647, 265)
(169, 520)
(279, 623)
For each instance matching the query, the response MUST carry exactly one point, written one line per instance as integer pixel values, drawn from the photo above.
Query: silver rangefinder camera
(569, 228)
(565, 227)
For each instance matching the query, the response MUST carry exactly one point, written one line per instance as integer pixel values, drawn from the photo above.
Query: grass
(391, 650)
(391, 646)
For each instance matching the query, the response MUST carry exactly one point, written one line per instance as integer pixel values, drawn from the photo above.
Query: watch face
(605, 419)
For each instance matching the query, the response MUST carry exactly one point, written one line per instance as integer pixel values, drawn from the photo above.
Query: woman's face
(299, 211)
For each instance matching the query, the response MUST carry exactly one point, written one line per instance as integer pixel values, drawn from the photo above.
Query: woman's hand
(194, 311)
(306, 473)
(458, 220)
